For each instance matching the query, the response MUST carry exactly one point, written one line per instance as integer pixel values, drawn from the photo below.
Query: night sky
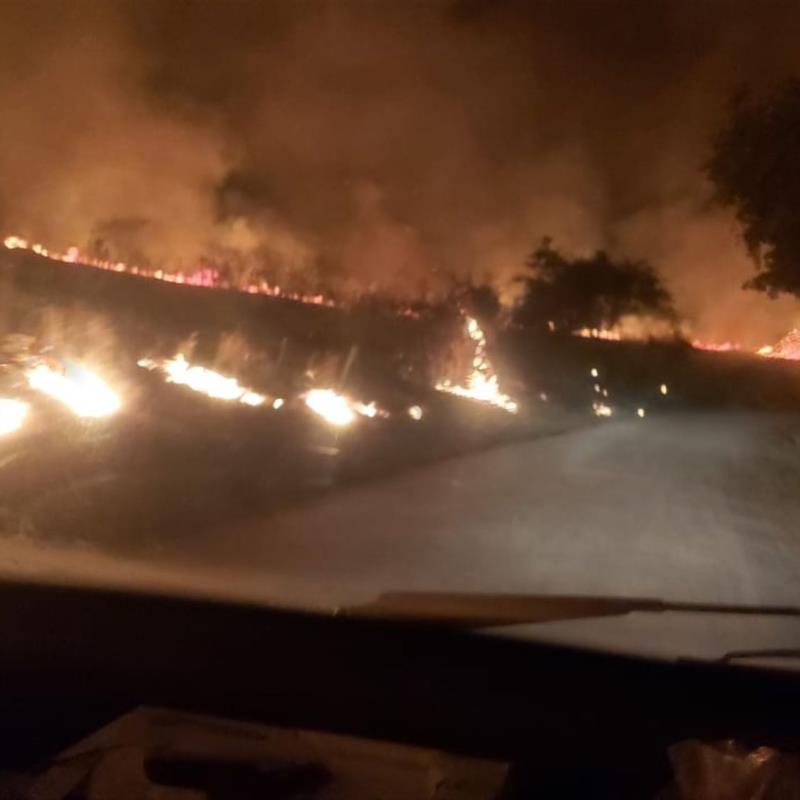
(389, 145)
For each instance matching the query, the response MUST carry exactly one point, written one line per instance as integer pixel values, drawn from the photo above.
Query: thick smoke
(388, 146)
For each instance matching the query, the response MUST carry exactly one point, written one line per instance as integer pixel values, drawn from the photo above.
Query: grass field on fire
(228, 404)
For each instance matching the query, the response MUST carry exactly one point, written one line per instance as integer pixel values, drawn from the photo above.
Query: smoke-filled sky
(389, 144)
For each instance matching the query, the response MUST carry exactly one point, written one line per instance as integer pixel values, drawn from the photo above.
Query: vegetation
(591, 292)
(755, 169)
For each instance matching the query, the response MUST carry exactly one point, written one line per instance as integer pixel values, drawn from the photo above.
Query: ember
(602, 410)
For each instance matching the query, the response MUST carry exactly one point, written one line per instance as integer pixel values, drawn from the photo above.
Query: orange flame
(199, 379)
(83, 392)
(339, 410)
(482, 384)
(12, 415)
(203, 276)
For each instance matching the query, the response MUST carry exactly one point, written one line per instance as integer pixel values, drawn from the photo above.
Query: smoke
(388, 146)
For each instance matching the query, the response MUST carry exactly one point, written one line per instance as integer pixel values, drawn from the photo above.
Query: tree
(478, 300)
(591, 292)
(755, 169)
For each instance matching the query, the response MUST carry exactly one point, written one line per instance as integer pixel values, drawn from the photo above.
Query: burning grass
(482, 383)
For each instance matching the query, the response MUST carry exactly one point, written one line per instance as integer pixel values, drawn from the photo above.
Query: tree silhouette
(591, 292)
(755, 169)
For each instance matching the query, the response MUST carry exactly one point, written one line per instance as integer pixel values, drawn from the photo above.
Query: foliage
(755, 169)
(591, 292)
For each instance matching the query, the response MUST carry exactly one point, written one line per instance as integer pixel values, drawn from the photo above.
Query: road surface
(692, 507)
(705, 507)
(701, 507)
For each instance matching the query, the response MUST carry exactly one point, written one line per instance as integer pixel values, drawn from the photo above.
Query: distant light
(597, 388)
(551, 326)
(12, 415)
(640, 412)
(277, 403)
(663, 389)
(543, 397)
(415, 412)
(602, 410)
(594, 372)
(605, 392)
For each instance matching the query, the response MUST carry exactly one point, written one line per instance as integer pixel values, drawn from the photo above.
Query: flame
(83, 392)
(332, 407)
(633, 327)
(12, 415)
(482, 383)
(199, 379)
(415, 412)
(716, 347)
(202, 276)
(338, 409)
(366, 409)
(788, 347)
(598, 333)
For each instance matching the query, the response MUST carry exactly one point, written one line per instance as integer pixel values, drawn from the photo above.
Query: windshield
(313, 304)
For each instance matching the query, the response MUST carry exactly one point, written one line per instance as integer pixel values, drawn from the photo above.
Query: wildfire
(598, 333)
(716, 347)
(788, 347)
(12, 415)
(482, 383)
(339, 410)
(80, 390)
(199, 379)
(202, 276)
